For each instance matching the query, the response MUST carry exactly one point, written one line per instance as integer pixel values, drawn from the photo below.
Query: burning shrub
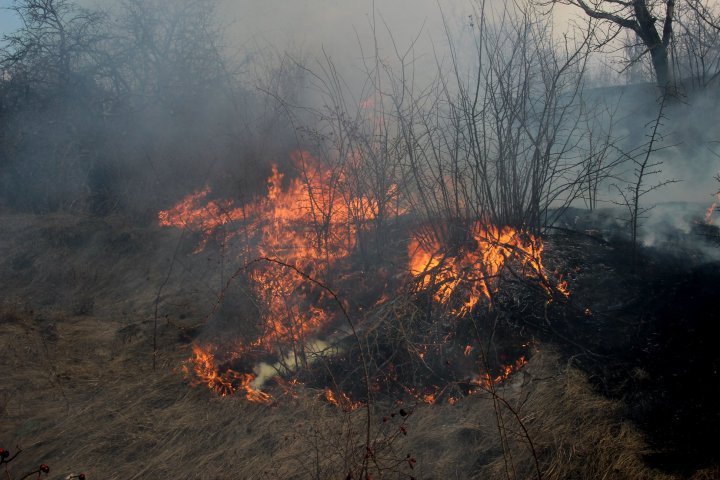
(420, 330)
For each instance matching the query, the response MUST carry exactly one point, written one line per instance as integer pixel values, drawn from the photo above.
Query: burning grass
(79, 393)
(306, 232)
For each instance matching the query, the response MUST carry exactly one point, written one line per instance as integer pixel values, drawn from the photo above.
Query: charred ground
(648, 339)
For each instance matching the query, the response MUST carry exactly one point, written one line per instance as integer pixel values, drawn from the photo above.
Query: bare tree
(640, 17)
(53, 70)
(72, 78)
(596, 149)
(696, 50)
(644, 168)
(509, 141)
(705, 12)
(57, 49)
(498, 143)
(171, 50)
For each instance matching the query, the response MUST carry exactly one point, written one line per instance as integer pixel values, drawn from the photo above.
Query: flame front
(312, 223)
(205, 371)
(192, 214)
(488, 382)
(471, 274)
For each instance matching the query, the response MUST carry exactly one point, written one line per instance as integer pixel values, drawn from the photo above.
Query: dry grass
(89, 401)
(78, 393)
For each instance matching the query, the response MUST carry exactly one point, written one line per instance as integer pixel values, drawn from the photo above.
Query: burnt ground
(644, 331)
(648, 338)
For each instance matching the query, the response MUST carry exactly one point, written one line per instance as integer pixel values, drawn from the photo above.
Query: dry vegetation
(159, 202)
(79, 394)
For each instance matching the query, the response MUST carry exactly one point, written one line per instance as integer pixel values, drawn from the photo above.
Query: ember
(711, 209)
(341, 400)
(487, 382)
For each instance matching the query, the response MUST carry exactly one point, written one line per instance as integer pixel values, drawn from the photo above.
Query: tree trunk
(657, 45)
(661, 65)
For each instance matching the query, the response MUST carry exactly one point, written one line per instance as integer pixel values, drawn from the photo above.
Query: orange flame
(487, 382)
(709, 212)
(471, 274)
(562, 287)
(311, 222)
(190, 213)
(341, 400)
(229, 382)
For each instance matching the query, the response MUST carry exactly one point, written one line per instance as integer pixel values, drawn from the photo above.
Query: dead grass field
(78, 391)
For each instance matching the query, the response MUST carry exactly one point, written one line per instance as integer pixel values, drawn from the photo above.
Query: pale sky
(304, 26)
(8, 20)
(329, 22)
(311, 23)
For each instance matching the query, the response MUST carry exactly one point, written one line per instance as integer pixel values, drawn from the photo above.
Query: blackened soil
(647, 334)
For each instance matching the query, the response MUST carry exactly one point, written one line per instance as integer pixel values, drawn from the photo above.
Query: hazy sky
(310, 23)
(329, 22)
(333, 24)
(8, 21)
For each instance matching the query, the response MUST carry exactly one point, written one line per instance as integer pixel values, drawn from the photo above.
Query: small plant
(43, 468)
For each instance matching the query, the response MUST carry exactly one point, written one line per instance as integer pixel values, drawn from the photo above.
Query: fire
(312, 225)
(341, 400)
(562, 287)
(709, 212)
(312, 222)
(206, 218)
(471, 273)
(316, 218)
(487, 382)
(425, 396)
(228, 382)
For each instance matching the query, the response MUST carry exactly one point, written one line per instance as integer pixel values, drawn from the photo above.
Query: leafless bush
(509, 141)
(643, 169)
